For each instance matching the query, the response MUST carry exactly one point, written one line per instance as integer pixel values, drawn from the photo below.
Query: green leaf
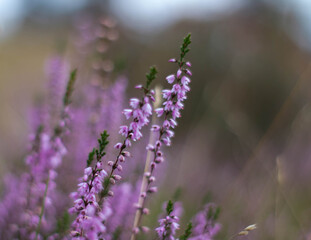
(105, 191)
(169, 207)
(217, 212)
(151, 76)
(185, 47)
(91, 157)
(187, 232)
(69, 88)
(103, 142)
(213, 213)
(63, 224)
(117, 233)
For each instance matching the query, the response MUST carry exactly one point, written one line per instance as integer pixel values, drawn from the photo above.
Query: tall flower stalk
(88, 223)
(89, 200)
(170, 111)
(56, 149)
(139, 113)
(24, 207)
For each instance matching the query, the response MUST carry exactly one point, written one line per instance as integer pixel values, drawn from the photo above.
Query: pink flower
(134, 102)
(127, 113)
(170, 79)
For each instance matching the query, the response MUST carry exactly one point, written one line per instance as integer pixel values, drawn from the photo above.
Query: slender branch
(43, 207)
(144, 184)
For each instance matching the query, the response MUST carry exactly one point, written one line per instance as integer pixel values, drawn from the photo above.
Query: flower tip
(179, 72)
(118, 146)
(188, 64)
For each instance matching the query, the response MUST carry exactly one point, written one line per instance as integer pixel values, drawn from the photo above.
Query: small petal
(128, 113)
(185, 80)
(179, 72)
(118, 146)
(155, 128)
(170, 79)
(159, 111)
(134, 103)
(188, 72)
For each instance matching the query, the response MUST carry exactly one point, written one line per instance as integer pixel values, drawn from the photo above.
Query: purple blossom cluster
(88, 200)
(172, 105)
(42, 183)
(168, 227)
(46, 153)
(205, 226)
(89, 221)
(101, 201)
(139, 115)
(170, 223)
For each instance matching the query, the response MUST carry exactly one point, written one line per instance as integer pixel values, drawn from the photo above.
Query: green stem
(43, 206)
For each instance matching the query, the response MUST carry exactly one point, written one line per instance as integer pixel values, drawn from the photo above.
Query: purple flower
(90, 214)
(172, 105)
(134, 102)
(204, 225)
(179, 72)
(170, 79)
(169, 224)
(188, 72)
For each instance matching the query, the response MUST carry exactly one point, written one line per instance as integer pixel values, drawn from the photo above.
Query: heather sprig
(139, 113)
(70, 88)
(169, 224)
(88, 223)
(57, 150)
(89, 200)
(184, 48)
(187, 232)
(151, 76)
(170, 111)
(204, 223)
(33, 203)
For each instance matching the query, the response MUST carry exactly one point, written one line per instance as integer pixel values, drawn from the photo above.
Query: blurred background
(244, 140)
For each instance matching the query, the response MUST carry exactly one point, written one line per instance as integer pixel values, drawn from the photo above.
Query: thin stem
(157, 148)
(113, 168)
(234, 237)
(43, 206)
(144, 184)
